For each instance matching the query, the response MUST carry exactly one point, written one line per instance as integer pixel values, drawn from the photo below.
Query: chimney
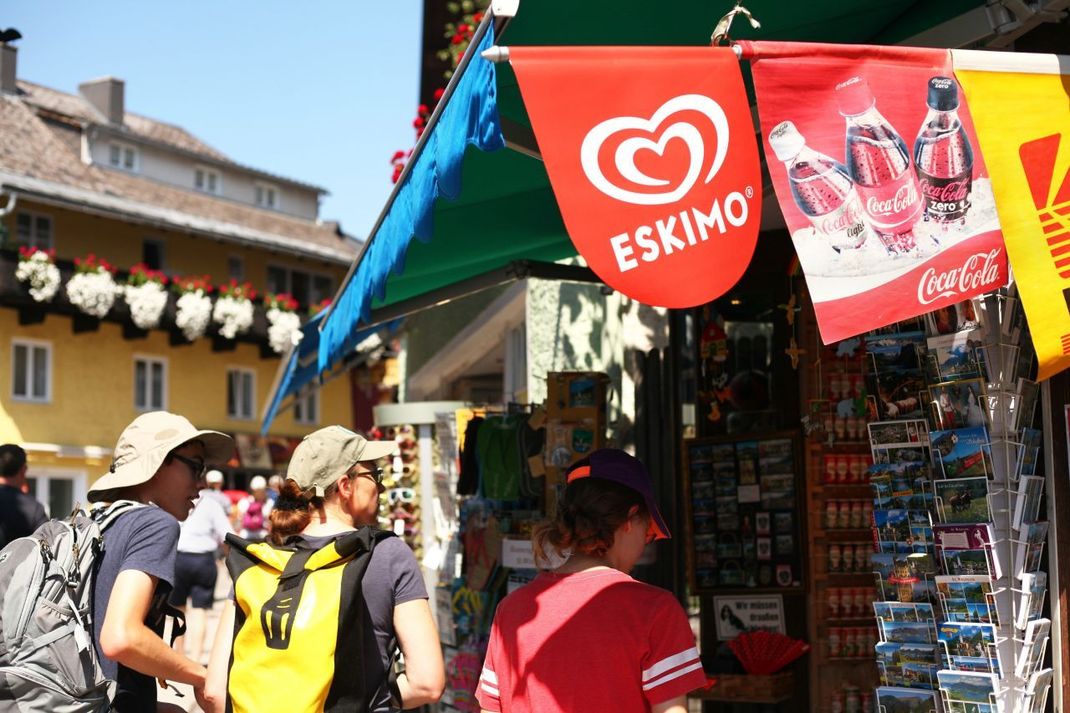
(106, 96)
(8, 57)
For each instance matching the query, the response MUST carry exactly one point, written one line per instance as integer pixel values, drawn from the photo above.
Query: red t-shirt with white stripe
(592, 641)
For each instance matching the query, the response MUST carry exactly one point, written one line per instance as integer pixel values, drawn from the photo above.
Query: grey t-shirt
(393, 577)
(146, 540)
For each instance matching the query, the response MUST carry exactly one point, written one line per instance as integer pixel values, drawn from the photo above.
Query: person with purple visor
(584, 635)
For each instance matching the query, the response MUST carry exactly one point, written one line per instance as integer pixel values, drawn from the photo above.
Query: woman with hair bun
(339, 643)
(585, 636)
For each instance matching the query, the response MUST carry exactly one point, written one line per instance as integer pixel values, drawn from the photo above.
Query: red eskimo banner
(652, 157)
(880, 178)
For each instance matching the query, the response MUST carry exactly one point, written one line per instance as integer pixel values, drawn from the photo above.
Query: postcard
(1028, 452)
(955, 356)
(907, 632)
(892, 526)
(884, 434)
(963, 452)
(1036, 692)
(963, 562)
(1025, 403)
(903, 611)
(963, 536)
(1027, 502)
(962, 316)
(977, 664)
(1034, 536)
(958, 404)
(1031, 655)
(913, 453)
(1031, 598)
(897, 393)
(963, 500)
(896, 653)
(969, 640)
(907, 700)
(968, 687)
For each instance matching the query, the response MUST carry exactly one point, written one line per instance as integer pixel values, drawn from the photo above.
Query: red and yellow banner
(652, 157)
(880, 179)
(1022, 114)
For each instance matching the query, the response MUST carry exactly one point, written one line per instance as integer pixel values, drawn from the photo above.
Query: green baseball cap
(324, 456)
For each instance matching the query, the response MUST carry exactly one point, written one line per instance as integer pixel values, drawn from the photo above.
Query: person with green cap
(159, 461)
(328, 502)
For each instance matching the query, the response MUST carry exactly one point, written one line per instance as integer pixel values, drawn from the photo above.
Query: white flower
(93, 292)
(233, 316)
(41, 274)
(194, 309)
(147, 303)
(284, 329)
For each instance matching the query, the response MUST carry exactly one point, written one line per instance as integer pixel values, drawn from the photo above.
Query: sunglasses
(400, 495)
(375, 474)
(197, 467)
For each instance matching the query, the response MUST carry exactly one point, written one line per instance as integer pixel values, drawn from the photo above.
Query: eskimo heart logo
(629, 138)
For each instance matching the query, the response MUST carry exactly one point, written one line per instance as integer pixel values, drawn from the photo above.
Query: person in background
(196, 570)
(333, 487)
(585, 636)
(159, 460)
(254, 510)
(20, 513)
(274, 487)
(214, 479)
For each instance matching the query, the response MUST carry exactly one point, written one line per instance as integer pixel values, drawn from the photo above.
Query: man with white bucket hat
(160, 461)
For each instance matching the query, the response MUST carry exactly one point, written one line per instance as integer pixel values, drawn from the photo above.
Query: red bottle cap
(854, 96)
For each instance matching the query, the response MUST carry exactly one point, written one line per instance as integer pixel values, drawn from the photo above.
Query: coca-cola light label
(845, 227)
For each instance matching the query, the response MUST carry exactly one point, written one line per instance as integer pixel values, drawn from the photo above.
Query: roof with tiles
(40, 140)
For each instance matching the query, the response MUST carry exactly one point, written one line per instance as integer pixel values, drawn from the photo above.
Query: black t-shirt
(20, 514)
(146, 540)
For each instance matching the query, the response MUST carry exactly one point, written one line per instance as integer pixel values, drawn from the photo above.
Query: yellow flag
(1021, 112)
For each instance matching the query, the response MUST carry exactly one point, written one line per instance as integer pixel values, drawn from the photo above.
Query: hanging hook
(720, 32)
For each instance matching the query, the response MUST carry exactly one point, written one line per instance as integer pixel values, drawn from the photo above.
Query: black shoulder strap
(348, 691)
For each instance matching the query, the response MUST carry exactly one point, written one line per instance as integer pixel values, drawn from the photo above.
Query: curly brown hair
(588, 515)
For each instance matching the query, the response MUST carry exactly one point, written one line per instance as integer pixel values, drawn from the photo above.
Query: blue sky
(322, 92)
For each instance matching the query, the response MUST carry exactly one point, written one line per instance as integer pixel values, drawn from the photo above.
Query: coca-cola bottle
(879, 164)
(821, 188)
(943, 156)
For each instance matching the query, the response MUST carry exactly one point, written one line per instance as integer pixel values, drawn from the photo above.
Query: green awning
(506, 210)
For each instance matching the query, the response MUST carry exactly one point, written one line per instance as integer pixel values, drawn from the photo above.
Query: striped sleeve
(672, 666)
(488, 690)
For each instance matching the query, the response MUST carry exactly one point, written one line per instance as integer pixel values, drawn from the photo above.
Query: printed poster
(880, 178)
(1022, 115)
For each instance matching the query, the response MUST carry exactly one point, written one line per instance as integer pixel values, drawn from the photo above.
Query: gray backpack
(48, 662)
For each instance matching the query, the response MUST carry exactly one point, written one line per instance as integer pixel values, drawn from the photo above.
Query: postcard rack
(965, 379)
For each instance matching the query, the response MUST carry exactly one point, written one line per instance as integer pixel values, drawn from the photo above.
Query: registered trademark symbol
(749, 191)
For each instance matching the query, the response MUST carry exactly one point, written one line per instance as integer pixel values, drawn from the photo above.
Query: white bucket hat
(145, 443)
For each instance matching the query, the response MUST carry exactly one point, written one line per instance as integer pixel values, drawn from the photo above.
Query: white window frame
(124, 147)
(34, 239)
(261, 191)
(307, 406)
(43, 476)
(32, 344)
(205, 171)
(149, 360)
(237, 414)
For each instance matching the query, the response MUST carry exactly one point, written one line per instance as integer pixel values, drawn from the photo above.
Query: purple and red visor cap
(620, 467)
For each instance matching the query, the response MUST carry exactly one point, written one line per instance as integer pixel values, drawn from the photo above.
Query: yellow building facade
(69, 384)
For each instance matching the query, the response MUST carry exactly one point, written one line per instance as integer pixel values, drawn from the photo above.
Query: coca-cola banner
(652, 157)
(1022, 114)
(878, 173)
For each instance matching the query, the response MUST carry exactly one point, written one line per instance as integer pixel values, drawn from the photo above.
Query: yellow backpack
(299, 619)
